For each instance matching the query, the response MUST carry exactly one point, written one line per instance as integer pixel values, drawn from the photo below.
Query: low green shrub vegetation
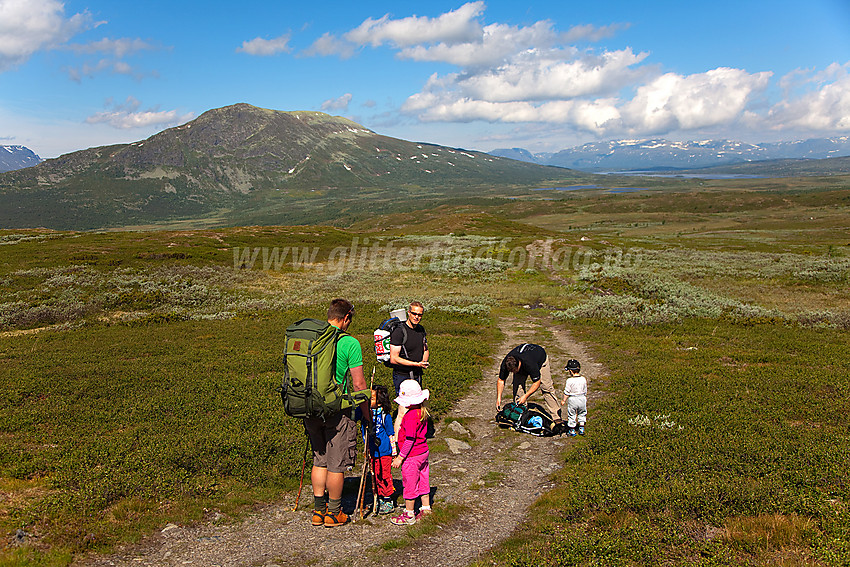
(139, 369)
(646, 296)
(124, 427)
(642, 297)
(723, 444)
(141, 279)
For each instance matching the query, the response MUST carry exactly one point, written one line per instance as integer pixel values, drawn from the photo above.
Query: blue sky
(479, 75)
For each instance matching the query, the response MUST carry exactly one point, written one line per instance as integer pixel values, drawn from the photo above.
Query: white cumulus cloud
(588, 115)
(553, 75)
(29, 26)
(498, 43)
(560, 94)
(537, 74)
(677, 102)
(824, 107)
(530, 74)
(340, 103)
(266, 47)
(329, 44)
(457, 26)
(127, 115)
(494, 45)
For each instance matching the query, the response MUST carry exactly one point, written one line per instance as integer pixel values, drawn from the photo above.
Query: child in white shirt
(575, 396)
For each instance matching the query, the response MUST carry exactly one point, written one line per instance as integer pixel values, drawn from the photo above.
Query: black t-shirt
(531, 358)
(415, 346)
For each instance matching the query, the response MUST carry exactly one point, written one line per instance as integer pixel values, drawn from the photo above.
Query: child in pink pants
(413, 452)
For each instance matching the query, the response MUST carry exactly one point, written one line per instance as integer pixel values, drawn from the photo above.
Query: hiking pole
(371, 459)
(374, 486)
(303, 466)
(361, 492)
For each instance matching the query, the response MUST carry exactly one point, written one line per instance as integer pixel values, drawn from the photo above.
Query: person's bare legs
(319, 478)
(323, 480)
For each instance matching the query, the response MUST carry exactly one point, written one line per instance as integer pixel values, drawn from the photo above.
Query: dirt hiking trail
(484, 469)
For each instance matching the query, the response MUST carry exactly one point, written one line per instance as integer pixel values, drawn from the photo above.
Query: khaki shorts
(334, 441)
(547, 389)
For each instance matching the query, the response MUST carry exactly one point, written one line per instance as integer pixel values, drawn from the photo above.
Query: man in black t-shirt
(409, 347)
(528, 361)
(408, 353)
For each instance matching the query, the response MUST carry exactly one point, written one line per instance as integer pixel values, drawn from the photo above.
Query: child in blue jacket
(380, 447)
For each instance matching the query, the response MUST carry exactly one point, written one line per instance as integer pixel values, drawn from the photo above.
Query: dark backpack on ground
(309, 386)
(532, 419)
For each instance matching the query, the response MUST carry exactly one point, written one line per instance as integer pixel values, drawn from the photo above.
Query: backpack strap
(338, 334)
(355, 398)
(404, 338)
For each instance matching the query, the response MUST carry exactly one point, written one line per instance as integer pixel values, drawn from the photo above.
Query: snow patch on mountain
(17, 157)
(631, 155)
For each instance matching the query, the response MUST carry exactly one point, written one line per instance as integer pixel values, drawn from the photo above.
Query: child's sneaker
(581, 430)
(318, 518)
(423, 512)
(571, 431)
(334, 520)
(385, 507)
(403, 519)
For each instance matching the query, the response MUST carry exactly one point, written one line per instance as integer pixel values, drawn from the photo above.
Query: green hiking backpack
(309, 386)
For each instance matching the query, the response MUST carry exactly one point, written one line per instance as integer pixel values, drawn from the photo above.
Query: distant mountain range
(17, 157)
(246, 165)
(647, 155)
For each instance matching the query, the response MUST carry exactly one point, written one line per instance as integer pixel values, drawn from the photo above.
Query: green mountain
(246, 165)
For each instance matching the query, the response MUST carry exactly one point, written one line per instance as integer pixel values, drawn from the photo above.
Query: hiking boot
(318, 518)
(571, 431)
(403, 519)
(334, 520)
(385, 507)
(581, 430)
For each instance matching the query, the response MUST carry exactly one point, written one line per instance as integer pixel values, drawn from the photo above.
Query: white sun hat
(411, 393)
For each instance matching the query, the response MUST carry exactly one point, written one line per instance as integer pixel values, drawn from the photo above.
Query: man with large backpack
(408, 353)
(409, 347)
(528, 361)
(334, 437)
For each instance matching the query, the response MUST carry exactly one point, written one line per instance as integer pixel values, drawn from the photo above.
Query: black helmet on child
(573, 365)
